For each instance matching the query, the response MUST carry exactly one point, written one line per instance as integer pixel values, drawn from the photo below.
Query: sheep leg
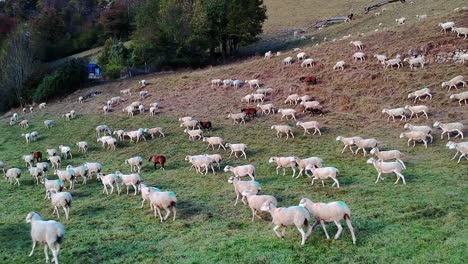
(230, 154)
(245, 156)
(275, 229)
(459, 133)
(313, 179)
(159, 213)
(414, 143)
(344, 149)
(294, 172)
(400, 176)
(253, 214)
(324, 228)
(409, 141)
(33, 247)
(303, 234)
(351, 229)
(300, 173)
(357, 150)
(168, 212)
(243, 200)
(336, 182)
(456, 154)
(65, 210)
(46, 253)
(237, 199)
(461, 156)
(378, 177)
(323, 184)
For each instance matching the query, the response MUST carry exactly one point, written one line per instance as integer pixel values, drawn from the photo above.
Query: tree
(17, 66)
(48, 35)
(115, 21)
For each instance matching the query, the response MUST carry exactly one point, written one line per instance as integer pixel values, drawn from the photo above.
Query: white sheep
(339, 65)
(145, 194)
(268, 55)
(292, 99)
(400, 21)
(310, 125)
(388, 155)
(49, 123)
(216, 82)
(143, 94)
(357, 44)
(29, 160)
(242, 171)
(460, 97)
(310, 105)
(253, 83)
(242, 186)
(462, 57)
(256, 201)
(80, 99)
(301, 55)
(348, 142)
(247, 98)
(109, 179)
(307, 62)
(194, 133)
(50, 233)
(82, 146)
(381, 58)
(42, 105)
(420, 93)
(238, 117)
(421, 17)
(93, 167)
(135, 163)
(387, 168)
(266, 108)
(330, 212)
(201, 161)
(265, 91)
(44, 166)
(307, 163)
(57, 185)
(163, 200)
(237, 148)
(128, 180)
(420, 60)
(283, 129)
(287, 113)
(424, 129)
(237, 83)
(359, 56)
(142, 83)
(415, 136)
(418, 109)
(27, 136)
(155, 131)
(212, 141)
(258, 97)
(449, 128)
(227, 82)
(24, 124)
(120, 134)
(283, 163)
(36, 173)
(13, 174)
(136, 134)
(126, 92)
(364, 143)
(103, 129)
(284, 217)
(288, 61)
(454, 82)
(460, 31)
(67, 175)
(51, 152)
(393, 62)
(461, 148)
(192, 123)
(66, 151)
(153, 110)
(55, 161)
(81, 171)
(61, 199)
(34, 135)
(446, 25)
(323, 174)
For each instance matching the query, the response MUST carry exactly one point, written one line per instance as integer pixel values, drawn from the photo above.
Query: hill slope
(421, 222)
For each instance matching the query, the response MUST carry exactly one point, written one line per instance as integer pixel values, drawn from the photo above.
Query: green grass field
(422, 222)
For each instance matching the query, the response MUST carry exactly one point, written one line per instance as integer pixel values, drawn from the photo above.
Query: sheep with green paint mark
(163, 200)
(329, 212)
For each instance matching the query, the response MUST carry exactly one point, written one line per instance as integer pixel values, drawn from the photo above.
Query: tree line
(158, 34)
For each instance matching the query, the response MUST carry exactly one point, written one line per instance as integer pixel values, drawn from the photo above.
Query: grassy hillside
(421, 222)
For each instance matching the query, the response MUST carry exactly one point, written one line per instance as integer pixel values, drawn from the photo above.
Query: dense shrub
(63, 81)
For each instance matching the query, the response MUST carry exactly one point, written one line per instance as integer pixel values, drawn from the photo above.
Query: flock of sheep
(51, 233)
